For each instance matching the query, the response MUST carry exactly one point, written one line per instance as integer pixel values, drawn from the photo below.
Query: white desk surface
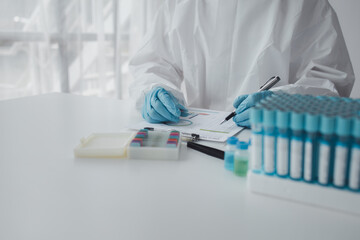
(46, 193)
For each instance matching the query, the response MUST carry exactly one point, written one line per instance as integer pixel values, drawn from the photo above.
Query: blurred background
(83, 46)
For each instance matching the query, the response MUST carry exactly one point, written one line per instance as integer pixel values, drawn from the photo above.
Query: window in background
(75, 46)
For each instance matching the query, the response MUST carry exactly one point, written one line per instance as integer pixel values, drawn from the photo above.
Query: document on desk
(203, 122)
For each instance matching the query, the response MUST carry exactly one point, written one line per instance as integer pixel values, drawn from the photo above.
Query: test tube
(241, 159)
(269, 140)
(311, 146)
(297, 145)
(256, 118)
(342, 130)
(229, 153)
(282, 143)
(327, 125)
(354, 173)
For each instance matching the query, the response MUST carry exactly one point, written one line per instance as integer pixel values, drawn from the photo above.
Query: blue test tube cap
(282, 119)
(269, 117)
(356, 130)
(327, 124)
(312, 122)
(256, 115)
(347, 100)
(242, 145)
(323, 98)
(297, 121)
(334, 99)
(232, 140)
(343, 126)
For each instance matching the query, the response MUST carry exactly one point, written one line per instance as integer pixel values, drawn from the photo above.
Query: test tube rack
(307, 149)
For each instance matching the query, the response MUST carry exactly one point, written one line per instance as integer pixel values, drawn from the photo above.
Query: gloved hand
(161, 106)
(243, 104)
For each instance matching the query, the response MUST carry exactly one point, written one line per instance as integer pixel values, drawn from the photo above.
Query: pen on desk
(207, 150)
(269, 84)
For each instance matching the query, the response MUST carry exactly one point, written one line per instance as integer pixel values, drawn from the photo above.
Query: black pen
(207, 150)
(269, 84)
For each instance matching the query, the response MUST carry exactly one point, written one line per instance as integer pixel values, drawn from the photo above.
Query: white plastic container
(117, 145)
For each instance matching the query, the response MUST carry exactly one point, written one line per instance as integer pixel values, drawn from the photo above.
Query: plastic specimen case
(307, 148)
(143, 144)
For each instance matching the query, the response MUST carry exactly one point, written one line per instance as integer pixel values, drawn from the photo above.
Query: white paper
(204, 122)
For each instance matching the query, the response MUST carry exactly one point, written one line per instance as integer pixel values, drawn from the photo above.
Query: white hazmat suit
(208, 52)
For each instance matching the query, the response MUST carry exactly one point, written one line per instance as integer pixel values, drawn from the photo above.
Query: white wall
(349, 18)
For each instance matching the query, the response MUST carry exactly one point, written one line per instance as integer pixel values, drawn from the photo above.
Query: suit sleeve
(154, 64)
(319, 60)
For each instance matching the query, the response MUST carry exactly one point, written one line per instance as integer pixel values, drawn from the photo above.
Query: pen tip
(222, 122)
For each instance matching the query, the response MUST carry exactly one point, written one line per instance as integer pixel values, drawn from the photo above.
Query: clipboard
(201, 122)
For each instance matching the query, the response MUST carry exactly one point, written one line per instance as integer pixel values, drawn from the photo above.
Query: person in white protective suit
(216, 54)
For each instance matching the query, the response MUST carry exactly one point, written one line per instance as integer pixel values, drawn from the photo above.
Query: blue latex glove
(243, 104)
(161, 106)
